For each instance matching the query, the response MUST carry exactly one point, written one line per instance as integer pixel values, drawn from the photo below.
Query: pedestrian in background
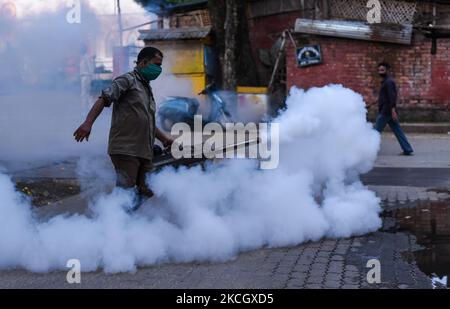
(387, 114)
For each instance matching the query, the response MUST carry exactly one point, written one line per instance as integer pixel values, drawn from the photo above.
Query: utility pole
(119, 19)
(230, 60)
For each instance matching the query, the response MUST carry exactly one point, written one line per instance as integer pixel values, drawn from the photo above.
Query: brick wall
(264, 31)
(423, 79)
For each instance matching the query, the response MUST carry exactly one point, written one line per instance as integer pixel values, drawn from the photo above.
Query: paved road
(431, 150)
(327, 263)
(408, 176)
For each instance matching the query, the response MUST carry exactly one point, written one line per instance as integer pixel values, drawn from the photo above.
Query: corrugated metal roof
(400, 34)
(174, 34)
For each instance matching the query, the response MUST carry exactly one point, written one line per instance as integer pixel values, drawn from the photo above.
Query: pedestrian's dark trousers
(131, 173)
(380, 124)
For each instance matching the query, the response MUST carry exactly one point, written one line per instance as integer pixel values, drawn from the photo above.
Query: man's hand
(165, 139)
(394, 115)
(369, 106)
(167, 142)
(83, 132)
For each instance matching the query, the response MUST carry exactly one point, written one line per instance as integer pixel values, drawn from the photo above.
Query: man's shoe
(407, 153)
(140, 199)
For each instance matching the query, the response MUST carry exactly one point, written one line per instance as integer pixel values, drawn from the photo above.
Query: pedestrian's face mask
(382, 71)
(151, 71)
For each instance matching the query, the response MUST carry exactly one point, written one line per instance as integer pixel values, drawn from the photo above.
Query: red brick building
(419, 52)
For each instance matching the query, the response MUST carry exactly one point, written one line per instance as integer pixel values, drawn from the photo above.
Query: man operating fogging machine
(133, 130)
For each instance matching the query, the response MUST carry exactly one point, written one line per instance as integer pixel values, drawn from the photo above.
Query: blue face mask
(151, 71)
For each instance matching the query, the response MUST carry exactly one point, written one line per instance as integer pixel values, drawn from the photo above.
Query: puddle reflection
(430, 223)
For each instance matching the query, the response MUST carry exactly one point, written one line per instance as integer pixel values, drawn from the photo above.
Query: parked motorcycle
(183, 109)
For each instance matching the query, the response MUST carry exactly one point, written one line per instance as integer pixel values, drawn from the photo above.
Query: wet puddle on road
(430, 223)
